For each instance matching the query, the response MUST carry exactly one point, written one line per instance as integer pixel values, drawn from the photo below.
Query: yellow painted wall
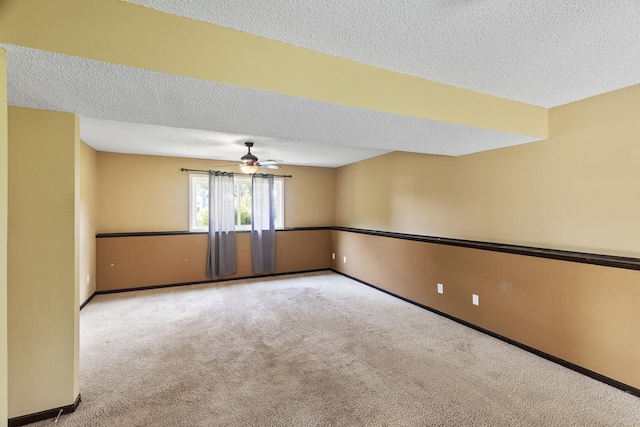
(85, 28)
(575, 191)
(4, 184)
(43, 260)
(150, 193)
(87, 238)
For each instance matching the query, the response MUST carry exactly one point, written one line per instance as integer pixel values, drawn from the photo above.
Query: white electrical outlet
(88, 278)
(344, 259)
(475, 299)
(333, 255)
(440, 288)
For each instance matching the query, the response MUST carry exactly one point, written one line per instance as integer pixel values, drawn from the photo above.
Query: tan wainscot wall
(139, 261)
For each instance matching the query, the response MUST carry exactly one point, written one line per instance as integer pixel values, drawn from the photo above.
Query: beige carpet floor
(314, 350)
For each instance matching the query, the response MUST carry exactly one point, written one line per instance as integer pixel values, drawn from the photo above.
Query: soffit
(131, 110)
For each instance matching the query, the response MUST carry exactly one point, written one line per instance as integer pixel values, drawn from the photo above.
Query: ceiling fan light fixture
(249, 169)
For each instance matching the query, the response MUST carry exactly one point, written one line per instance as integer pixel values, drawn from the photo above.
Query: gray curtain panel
(221, 254)
(263, 230)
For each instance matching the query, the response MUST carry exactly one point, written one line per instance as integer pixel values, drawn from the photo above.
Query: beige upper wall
(4, 187)
(608, 108)
(43, 260)
(575, 191)
(87, 238)
(150, 193)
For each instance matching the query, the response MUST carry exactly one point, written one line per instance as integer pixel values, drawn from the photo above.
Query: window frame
(194, 178)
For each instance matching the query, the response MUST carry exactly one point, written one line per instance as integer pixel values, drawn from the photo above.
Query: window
(199, 202)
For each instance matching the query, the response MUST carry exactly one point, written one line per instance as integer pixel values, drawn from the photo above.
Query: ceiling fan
(250, 163)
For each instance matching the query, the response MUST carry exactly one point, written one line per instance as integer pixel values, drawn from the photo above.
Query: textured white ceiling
(197, 118)
(542, 52)
(136, 138)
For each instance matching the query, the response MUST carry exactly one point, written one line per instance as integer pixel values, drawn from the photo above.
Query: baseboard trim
(200, 282)
(87, 301)
(44, 415)
(596, 376)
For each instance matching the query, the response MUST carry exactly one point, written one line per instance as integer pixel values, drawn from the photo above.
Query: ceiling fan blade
(268, 166)
(269, 162)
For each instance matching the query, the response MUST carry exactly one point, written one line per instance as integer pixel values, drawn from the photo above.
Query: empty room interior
(450, 178)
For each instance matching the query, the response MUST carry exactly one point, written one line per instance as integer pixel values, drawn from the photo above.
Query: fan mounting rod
(249, 158)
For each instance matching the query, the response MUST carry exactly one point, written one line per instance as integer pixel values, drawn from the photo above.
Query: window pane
(198, 202)
(245, 203)
(242, 202)
(278, 202)
(235, 202)
(202, 202)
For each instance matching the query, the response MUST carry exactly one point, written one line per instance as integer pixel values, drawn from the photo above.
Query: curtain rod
(247, 174)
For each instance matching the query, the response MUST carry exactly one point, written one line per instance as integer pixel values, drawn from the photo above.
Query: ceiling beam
(122, 33)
